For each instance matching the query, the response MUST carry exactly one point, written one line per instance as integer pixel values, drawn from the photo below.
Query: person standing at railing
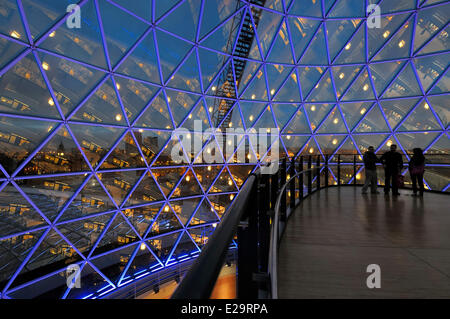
(370, 165)
(416, 170)
(393, 163)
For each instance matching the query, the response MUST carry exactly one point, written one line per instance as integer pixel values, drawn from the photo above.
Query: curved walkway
(336, 233)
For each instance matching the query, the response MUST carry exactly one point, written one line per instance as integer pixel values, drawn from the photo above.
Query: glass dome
(87, 114)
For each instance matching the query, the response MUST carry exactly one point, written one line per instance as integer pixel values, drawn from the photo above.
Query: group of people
(393, 163)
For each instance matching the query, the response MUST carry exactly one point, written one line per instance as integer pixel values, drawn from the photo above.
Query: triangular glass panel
(281, 50)
(399, 45)
(11, 21)
(23, 90)
(373, 122)
(265, 121)
(120, 183)
(142, 63)
(405, 84)
(384, 73)
(442, 86)
(187, 76)
(353, 112)
(119, 233)
(347, 8)
(113, 264)
(180, 104)
(267, 27)
(210, 63)
(168, 156)
(51, 193)
(83, 44)
(151, 142)
(423, 31)
(146, 192)
(308, 8)
(283, 113)
(276, 76)
(8, 51)
(93, 282)
(185, 246)
(14, 250)
(206, 175)
(440, 146)
(142, 217)
(168, 178)
(20, 138)
(289, 92)
(223, 38)
(163, 246)
(323, 91)
(421, 119)
(429, 69)
(317, 113)
(316, 53)
(309, 76)
(257, 89)
(83, 234)
(343, 77)
(364, 141)
(185, 208)
(329, 143)
(141, 8)
(95, 141)
(200, 235)
(240, 173)
(157, 115)
(355, 50)
(379, 36)
(294, 144)
(339, 33)
(361, 89)
(220, 203)
(188, 186)
(135, 96)
(188, 13)
(42, 14)
(396, 110)
(347, 148)
(251, 111)
(198, 116)
(71, 82)
(18, 215)
(144, 260)
(216, 13)
(59, 155)
(224, 183)
(439, 104)
(166, 221)
(438, 44)
(90, 200)
(302, 31)
(232, 120)
(310, 148)
(119, 39)
(162, 7)
(246, 71)
(299, 124)
(177, 48)
(53, 253)
(125, 155)
(409, 141)
(334, 123)
(102, 107)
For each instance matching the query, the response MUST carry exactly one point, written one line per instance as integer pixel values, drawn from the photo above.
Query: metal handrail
(273, 247)
(215, 250)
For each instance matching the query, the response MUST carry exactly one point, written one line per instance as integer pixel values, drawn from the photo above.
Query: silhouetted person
(370, 164)
(416, 170)
(393, 163)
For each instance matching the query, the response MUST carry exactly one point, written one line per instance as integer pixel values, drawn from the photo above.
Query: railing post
(283, 196)
(354, 169)
(274, 189)
(339, 170)
(292, 185)
(247, 236)
(318, 172)
(326, 171)
(300, 178)
(309, 175)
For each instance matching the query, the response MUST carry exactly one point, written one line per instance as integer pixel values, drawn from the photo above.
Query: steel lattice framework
(86, 116)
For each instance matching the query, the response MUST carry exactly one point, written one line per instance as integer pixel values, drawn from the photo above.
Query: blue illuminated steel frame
(34, 48)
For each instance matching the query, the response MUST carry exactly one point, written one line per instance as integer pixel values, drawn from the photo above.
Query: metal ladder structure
(226, 85)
